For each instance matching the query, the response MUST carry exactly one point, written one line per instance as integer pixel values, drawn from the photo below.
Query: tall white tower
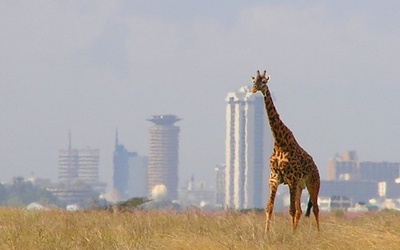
(248, 147)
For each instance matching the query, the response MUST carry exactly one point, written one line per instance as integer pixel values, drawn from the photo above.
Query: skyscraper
(163, 154)
(78, 175)
(137, 184)
(121, 168)
(248, 147)
(78, 165)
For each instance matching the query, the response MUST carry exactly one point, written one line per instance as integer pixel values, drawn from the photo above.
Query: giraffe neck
(281, 133)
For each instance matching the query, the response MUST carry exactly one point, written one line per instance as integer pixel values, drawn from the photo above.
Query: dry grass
(21, 229)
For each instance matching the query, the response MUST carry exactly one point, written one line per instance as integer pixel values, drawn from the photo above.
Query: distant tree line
(20, 193)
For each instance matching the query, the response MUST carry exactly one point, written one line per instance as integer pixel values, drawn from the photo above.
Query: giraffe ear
(253, 79)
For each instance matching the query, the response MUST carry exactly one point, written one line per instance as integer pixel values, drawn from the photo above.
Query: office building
(357, 191)
(130, 172)
(248, 148)
(137, 185)
(163, 154)
(360, 180)
(78, 165)
(220, 185)
(348, 167)
(78, 175)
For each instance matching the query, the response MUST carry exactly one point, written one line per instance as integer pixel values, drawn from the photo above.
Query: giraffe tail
(309, 206)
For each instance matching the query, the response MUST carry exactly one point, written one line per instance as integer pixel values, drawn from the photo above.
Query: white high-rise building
(248, 148)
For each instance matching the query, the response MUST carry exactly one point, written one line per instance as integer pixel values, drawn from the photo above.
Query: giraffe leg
(298, 211)
(292, 210)
(273, 187)
(313, 189)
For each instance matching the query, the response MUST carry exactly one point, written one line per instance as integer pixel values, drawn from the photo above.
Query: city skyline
(95, 66)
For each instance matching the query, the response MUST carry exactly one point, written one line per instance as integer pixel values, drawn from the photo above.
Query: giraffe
(290, 164)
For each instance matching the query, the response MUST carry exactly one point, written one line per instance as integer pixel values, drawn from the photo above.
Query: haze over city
(92, 67)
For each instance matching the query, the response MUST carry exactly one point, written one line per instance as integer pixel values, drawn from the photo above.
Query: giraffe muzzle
(254, 90)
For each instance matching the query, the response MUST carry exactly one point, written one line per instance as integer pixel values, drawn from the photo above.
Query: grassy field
(22, 229)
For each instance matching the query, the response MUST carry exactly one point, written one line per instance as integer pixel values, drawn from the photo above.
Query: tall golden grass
(54, 229)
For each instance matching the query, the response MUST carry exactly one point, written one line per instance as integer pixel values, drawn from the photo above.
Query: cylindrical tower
(163, 154)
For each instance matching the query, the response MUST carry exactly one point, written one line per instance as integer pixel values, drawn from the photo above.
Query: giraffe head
(260, 81)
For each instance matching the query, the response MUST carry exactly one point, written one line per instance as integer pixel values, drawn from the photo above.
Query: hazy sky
(94, 66)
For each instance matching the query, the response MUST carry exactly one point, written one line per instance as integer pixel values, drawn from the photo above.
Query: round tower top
(164, 119)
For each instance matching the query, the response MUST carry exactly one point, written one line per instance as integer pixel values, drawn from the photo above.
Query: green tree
(21, 193)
